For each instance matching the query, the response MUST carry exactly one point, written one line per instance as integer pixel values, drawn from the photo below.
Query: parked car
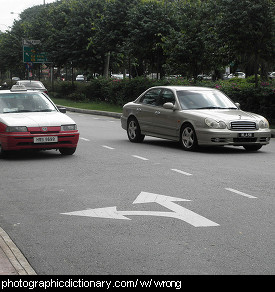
(30, 120)
(194, 116)
(33, 85)
(237, 74)
(80, 78)
(271, 75)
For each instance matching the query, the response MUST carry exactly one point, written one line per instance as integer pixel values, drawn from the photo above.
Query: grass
(99, 106)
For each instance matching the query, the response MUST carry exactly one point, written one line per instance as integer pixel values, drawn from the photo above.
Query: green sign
(31, 55)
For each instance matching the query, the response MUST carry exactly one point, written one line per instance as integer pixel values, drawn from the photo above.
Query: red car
(30, 120)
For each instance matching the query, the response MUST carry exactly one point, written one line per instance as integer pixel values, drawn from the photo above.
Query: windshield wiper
(211, 107)
(44, 110)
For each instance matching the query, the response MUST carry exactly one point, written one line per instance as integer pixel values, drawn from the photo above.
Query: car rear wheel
(67, 151)
(133, 131)
(188, 138)
(252, 147)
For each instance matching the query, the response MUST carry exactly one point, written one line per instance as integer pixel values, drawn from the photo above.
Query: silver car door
(166, 120)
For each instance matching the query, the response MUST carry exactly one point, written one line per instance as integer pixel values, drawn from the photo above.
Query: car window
(151, 96)
(203, 99)
(166, 96)
(24, 102)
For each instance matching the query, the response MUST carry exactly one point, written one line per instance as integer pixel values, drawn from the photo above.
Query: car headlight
(16, 129)
(214, 124)
(68, 127)
(263, 124)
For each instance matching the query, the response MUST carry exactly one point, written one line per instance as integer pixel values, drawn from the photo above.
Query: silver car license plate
(246, 135)
(46, 139)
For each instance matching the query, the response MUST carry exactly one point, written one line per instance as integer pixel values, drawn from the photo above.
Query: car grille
(240, 140)
(242, 126)
(42, 132)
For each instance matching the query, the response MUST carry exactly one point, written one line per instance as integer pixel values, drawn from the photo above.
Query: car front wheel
(188, 138)
(133, 131)
(2, 152)
(252, 147)
(67, 151)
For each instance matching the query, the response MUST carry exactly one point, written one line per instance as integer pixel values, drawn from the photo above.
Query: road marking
(178, 211)
(180, 171)
(139, 157)
(84, 139)
(108, 147)
(240, 193)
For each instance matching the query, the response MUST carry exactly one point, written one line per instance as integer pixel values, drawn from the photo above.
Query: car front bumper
(236, 138)
(17, 141)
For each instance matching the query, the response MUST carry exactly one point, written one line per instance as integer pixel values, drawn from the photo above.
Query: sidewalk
(12, 261)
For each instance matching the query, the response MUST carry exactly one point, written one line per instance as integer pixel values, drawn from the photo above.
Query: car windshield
(13, 102)
(204, 99)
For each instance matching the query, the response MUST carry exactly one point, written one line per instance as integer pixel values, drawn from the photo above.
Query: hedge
(259, 100)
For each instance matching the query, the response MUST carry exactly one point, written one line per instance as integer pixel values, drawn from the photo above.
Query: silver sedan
(193, 116)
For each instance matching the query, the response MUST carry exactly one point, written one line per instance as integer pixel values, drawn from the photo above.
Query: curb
(92, 112)
(114, 115)
(14, 255)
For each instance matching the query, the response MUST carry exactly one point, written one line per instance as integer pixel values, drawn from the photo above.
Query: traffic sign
(30, 54)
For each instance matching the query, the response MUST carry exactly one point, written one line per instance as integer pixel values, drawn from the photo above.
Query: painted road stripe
(84, 139)
(241, 193)
(139, 157)
(108, 147)
(180, 171)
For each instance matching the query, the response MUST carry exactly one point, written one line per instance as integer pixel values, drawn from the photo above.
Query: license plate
(47, 139)
(246, 135)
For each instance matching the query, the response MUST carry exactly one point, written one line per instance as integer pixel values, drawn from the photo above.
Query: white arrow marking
(179, 212)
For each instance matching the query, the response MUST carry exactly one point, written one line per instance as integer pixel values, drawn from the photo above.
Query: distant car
(33, 85)
(30, 120)
(80, 78)
(237, 74)
(193, 116)
(272, 75)
(119, 76)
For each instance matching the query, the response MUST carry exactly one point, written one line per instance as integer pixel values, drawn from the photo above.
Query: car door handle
(157, 112)
(138, 109)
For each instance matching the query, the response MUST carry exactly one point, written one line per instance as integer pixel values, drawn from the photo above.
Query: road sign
(178, 211)
(30, 43)
(30, 54)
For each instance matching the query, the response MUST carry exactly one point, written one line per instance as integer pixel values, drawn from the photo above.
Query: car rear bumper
(22, 141)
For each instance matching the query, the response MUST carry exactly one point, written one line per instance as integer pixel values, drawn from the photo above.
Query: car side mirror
(168, 105)
(237, 105)
(62, 109)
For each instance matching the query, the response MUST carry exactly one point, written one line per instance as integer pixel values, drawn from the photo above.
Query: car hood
(225, 115)
(35, 119)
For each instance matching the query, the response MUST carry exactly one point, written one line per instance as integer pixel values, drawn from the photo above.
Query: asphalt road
(118, 208)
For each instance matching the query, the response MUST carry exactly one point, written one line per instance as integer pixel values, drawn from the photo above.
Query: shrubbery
(259, 100)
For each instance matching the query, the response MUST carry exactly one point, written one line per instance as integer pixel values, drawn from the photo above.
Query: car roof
(180, 87)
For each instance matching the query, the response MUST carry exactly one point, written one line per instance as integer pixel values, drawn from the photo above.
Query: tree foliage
(164, 36)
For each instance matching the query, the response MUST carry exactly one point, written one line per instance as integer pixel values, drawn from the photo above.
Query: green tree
(148, 23)
(190, 46)
(247, 27)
